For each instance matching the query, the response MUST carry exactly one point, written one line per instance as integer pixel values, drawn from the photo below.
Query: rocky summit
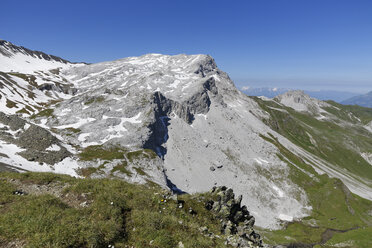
(179, 122)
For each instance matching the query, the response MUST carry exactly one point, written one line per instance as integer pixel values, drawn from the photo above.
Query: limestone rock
(235, 219)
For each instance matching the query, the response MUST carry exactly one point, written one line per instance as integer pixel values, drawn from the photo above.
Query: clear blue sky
(312, 44)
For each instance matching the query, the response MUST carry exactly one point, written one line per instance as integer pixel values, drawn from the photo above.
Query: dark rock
(180, 203)
(199, 103)
(235, 219)
(192, 211)
(19, 192)
(209, 205)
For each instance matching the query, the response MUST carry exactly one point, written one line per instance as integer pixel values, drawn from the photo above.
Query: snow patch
(26, 126)
(133, 119)
(67, 166)
(53, 147)
(285, 217)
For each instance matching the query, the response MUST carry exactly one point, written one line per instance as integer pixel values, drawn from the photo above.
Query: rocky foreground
(235, 219)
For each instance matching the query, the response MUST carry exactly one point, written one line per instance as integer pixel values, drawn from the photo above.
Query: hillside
(61, 211)
(302, 166)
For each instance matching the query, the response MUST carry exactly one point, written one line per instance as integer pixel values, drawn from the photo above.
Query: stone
(192, 211)
(204, 229)
(235, 219)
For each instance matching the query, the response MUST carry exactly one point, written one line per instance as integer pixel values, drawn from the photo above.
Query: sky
(313, 44)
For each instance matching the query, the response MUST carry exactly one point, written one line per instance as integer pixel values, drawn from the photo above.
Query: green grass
(338, 144)
(23, 111)
(294, 233)
(122, 168)
(140, 171)
(73, 130)
(31, 79)
(100, 152)
(334, 206)
(342, 111)
(114, 152)
(140, 154)
(92, 153)
(43, 113)
(10, 104)
(119, 214)
(55, 71)
(355, 238)
(86, 172)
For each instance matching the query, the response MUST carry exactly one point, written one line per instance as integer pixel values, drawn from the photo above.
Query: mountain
(337, 96)
(30, 79)
(20, 59)
(264, 91)
(302, 165)
(361, 100)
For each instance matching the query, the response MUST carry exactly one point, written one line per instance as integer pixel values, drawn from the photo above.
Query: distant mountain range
(337, 96)
(361, 100)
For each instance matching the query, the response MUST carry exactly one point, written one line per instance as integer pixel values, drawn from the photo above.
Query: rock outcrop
(235, 219)
(34, 142)
(298, 100)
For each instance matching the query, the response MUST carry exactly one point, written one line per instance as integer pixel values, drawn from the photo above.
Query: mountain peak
(300, 101)
(175, 76)
(15, 58)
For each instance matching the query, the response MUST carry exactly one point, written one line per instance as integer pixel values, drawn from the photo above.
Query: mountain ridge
(324, 95)
(180, 122)
(23, 60)
(361, 100)
(5, 46)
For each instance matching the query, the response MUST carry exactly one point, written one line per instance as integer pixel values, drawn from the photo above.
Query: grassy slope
(364, 114)
(105, 154)
(334, 206)
(335, 143)
(118, 214)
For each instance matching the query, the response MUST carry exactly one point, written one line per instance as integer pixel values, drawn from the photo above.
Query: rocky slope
(180, 122)
(30, 79)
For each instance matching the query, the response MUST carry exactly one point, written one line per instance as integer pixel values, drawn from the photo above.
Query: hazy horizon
(361, 88)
